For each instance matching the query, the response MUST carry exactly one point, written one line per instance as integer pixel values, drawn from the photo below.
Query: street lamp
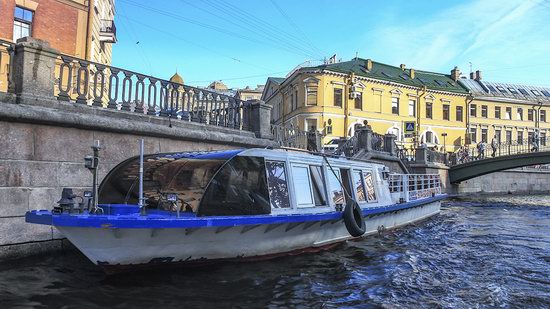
(444, 134)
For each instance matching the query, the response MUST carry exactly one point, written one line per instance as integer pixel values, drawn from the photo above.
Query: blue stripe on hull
(170, 221)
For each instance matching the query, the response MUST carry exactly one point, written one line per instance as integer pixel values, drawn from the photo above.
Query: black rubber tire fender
(353, 219)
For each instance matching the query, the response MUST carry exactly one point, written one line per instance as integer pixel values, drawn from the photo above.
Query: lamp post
(444, 134)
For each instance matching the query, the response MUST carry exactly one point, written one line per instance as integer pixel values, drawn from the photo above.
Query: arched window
(395, 131)
(429, 137)
(353, 127)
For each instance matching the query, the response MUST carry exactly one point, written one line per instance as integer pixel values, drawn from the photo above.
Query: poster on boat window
(277, 184)
(369, 186)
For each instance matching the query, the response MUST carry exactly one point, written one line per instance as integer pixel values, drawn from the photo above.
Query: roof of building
(507, 92)
(276, 80)
(176, 78)
(217, 85)
(381, 71)
(259, 89)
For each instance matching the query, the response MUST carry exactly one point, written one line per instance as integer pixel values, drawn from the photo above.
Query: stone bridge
(469, 170)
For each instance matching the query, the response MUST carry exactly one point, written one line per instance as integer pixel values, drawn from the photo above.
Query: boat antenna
(141, 202)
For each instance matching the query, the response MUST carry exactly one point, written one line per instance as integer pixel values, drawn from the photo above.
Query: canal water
(482, 252)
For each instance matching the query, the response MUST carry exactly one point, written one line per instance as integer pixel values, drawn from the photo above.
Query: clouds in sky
(496, 36)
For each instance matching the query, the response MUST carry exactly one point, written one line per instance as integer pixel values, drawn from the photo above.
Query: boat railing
(409, 187)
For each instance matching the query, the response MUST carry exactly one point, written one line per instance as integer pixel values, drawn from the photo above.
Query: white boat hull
(111, 247)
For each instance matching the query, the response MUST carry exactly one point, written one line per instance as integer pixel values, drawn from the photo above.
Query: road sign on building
(409, 126)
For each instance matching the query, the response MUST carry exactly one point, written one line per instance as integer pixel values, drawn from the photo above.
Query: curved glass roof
(185, 173)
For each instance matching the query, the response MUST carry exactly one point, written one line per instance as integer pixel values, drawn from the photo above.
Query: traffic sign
(409, 126)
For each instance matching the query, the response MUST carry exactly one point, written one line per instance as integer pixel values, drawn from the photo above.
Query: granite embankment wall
(42, 146)
(517, 181)
(522, 180)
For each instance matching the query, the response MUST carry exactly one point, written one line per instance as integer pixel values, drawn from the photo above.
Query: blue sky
(243, 42)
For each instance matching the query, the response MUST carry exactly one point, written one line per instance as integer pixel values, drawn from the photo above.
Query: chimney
(478, 75)
(402, 66)
(411, 73)
(368, 65)
(473, 75)
(455, 74)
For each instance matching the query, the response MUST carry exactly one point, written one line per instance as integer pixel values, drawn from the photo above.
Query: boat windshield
(239, 188)
(184, 176)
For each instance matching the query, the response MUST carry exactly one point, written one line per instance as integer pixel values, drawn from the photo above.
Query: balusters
(98, 97)
(174, 97)
(64, 92)
(82, 82)
(126, 101)
(186, 105)
(164, 94)
(140, 94)
(113, 88)
(151, 108)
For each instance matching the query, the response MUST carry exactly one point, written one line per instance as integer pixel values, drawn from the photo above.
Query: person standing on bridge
(494, 145)
(536, 141)
(481, 150)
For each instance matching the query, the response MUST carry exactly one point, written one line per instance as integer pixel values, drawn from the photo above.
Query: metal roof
(514, 93)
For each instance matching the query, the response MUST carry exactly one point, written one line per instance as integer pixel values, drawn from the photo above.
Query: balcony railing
(107, 31)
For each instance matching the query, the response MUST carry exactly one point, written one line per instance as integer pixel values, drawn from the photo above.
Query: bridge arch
(477, 168)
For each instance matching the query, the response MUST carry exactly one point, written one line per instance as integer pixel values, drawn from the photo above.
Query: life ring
(353, 219)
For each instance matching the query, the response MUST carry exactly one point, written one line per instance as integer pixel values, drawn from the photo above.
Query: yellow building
(336, 97)
(508, 112)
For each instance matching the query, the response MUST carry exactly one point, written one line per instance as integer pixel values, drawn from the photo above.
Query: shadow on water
(476, 253)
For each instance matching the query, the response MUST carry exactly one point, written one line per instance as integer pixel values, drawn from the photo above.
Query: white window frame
(374, 181)
(295, 197)
(413, 101)
(353, 171)
(337, 169)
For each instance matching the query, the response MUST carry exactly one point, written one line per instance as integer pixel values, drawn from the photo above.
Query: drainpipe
(418, 97)
(537, 119)
(346, 102)
(469, 99)
(88, 47)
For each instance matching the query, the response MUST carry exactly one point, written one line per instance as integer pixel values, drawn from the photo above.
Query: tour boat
(197, 207)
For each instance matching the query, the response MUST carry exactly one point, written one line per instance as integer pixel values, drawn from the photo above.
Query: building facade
(80, 28)
(507, 112)
(248, 93)
(335, 98)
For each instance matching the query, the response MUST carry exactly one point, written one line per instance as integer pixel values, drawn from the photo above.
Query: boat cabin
(247, 182)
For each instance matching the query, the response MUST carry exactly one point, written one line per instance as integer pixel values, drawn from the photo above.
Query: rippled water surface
(485, 252)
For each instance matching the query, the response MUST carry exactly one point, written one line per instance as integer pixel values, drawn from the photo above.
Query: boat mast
(141, 203)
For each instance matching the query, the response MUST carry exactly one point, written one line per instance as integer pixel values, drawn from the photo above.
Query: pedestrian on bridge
(494, 145)
(481, 150)
(536, 141)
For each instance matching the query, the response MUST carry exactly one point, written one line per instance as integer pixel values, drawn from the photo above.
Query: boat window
(369, 184)
(358, 186)
(302, 186)
(187, 178)
(336, 191)
(277, 184)
(318, 182)
(239, 188)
